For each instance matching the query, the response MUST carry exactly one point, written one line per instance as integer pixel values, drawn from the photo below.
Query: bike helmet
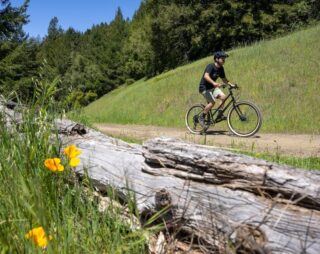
(219, 54)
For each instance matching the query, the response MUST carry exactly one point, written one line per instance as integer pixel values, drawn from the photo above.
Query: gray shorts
(212, 94)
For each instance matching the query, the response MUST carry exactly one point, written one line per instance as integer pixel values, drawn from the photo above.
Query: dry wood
(234, 171)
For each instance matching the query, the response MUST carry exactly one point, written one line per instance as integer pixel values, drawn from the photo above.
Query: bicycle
(244, 118)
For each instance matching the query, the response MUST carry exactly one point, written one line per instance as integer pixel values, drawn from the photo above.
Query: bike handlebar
(233, 86)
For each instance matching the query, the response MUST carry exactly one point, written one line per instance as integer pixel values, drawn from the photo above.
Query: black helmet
(219, 54)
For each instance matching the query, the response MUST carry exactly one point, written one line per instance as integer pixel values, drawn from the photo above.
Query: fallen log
(234, 171)
(217, 195)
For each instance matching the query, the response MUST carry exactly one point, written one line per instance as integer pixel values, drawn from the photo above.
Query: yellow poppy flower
(54, 164)
(38, 236)
(71, 151)
(74, 162)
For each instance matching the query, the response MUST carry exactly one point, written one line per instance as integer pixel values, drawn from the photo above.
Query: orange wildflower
(38, 236)
(74, 162)
(72, 151)
(54, 164)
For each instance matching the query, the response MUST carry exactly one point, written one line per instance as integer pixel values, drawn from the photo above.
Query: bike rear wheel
(192, 119)
(244, 119)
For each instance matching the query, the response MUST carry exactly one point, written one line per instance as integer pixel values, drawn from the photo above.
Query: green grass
(32, 196)
(280, 75)
(296, 162)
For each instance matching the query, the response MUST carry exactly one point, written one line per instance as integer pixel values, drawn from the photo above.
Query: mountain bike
(244, 118)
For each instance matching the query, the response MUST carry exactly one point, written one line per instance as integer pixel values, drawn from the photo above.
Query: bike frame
(215, 112)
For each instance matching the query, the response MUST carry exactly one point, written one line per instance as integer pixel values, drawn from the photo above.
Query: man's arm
(208, 79)
(226, 81)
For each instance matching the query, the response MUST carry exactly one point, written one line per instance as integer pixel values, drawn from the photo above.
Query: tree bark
(218, 196)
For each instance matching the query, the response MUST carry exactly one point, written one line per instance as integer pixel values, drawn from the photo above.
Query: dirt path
(284, 144)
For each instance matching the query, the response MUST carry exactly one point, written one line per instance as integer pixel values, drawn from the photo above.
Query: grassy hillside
(281, 76)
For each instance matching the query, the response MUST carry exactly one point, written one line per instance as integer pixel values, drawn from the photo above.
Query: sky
(79, 14)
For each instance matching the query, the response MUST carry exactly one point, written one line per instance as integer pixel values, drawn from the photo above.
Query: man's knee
(222, 97)
(210, 105)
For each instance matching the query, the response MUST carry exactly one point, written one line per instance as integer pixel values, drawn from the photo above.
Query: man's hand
(233, 85)
(224, 85)
(215, 84)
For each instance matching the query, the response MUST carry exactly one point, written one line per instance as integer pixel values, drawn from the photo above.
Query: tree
(12, 19)
(83, 81)
(18, 63)
(54, 30)
(116, 35)
(103, 45)
(137, 50)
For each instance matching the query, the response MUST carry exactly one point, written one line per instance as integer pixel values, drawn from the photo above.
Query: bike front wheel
(192, 119)
(244, 119)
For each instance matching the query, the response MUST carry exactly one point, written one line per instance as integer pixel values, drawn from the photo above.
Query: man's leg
(202, 116)
(208, 107)
(208, 95)
(222, 97)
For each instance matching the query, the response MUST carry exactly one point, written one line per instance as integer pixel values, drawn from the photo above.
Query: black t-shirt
(214, 74)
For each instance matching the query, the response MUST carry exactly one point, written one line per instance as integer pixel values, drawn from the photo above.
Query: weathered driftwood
(213, 193)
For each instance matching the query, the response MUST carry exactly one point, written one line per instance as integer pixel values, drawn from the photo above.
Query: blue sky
(79, 14)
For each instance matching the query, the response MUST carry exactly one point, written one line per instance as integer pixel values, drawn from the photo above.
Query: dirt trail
(285, 144)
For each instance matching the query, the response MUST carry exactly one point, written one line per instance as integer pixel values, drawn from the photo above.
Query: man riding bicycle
(210, 89)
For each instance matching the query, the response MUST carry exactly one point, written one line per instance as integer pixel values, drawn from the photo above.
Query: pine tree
(18, 63)
(54, 30)
(12, 19)
(137, 51)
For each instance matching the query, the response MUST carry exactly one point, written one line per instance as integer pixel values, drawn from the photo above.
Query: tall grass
(32, 196)
(280, 75)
